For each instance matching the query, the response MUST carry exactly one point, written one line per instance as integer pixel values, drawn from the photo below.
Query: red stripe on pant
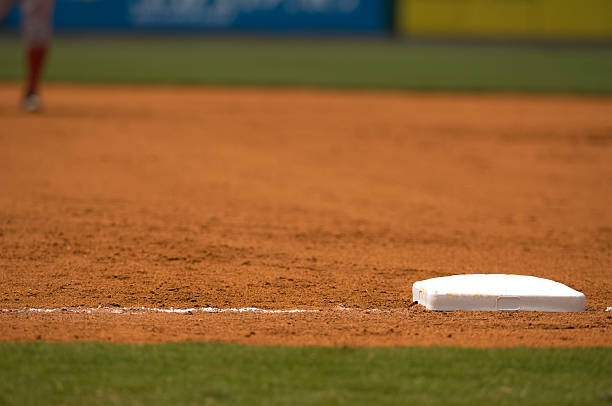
(35, 61)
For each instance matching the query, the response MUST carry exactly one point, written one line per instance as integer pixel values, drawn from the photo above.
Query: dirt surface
(287, 199)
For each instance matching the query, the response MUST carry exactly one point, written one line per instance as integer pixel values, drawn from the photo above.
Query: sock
(36, 58)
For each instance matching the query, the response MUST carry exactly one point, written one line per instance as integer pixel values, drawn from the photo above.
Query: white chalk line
(132, 310)
(172, 310)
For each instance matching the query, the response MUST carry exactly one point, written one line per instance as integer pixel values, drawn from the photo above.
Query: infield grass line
(344, 64)
(226, 374)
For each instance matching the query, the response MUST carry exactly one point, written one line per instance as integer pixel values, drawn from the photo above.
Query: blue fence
(300, 16)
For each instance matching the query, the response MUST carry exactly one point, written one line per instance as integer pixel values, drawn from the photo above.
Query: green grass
(209, 373)
(336, 63)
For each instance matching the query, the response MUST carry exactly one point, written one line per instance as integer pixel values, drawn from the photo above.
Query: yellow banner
(588, 19)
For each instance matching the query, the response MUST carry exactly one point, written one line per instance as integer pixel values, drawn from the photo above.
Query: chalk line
(172, 310)
(132, 310)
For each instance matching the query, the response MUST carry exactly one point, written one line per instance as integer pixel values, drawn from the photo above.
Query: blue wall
(333, 16)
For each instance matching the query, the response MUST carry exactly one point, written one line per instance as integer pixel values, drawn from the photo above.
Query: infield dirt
(335, 201)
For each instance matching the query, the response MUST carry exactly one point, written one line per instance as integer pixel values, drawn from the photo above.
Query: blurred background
(498, 45)
(527, 19)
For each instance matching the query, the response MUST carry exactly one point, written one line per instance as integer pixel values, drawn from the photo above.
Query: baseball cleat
(32, 103)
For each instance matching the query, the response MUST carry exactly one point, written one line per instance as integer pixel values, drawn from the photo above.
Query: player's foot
(31, 103)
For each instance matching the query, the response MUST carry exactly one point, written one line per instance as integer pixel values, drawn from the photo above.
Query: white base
(497, 292)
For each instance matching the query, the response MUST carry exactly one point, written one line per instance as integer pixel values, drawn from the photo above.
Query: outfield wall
(274, 16)
(532, 19)
(522, 19)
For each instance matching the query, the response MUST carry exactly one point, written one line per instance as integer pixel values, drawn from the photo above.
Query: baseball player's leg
(37, 28)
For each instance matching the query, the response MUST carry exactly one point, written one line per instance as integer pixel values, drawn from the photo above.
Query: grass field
(197, 373)
(336, 63)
